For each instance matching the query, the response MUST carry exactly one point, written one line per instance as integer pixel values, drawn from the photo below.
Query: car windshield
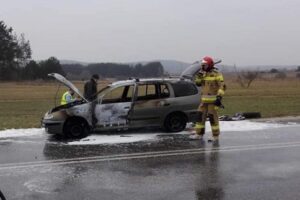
(103, 91)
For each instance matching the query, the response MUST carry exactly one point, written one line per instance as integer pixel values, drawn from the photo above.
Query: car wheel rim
(176, 124)
(76, 130)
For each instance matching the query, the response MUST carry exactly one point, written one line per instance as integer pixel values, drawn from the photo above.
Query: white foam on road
(226, 126)
(114, 139)
(12, 133)
(245, 125)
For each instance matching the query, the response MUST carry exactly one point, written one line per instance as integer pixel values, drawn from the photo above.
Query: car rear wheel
(76, 128)
(175, 122)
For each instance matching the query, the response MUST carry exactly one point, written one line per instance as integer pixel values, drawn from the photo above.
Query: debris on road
(240, 116)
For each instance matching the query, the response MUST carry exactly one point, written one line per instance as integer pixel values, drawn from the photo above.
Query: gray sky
(245, 32)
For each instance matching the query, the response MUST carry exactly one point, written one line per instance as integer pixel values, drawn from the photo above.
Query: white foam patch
(245, 125)
(225, 126)
(12, 133)
(114, 139)
(41, 185)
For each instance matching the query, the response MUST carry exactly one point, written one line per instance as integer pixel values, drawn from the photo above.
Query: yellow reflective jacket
(66, 98)
(212, 85)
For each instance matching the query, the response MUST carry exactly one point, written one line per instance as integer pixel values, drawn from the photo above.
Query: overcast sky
(244, 32)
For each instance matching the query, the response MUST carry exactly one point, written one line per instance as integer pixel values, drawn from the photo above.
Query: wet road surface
(261, 164)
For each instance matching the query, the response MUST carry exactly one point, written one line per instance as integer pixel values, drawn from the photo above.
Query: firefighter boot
(196, 137)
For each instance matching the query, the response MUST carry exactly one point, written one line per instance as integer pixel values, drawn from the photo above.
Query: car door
(149, 105)
(114, 107)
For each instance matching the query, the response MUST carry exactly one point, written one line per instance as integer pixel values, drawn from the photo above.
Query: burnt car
(168, 103)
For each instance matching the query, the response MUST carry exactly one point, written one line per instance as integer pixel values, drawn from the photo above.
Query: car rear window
(184, 88)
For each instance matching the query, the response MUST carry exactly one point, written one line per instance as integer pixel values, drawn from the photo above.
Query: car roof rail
(136, 79)
(179, 77)
(173, 76)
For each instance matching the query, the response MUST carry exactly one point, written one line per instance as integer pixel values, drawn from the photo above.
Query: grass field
(22, 104)
(273, 98)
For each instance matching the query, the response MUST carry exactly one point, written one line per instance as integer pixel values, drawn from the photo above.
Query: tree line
(14, 52)
(77, 71)
(16, 63)
(15, 58)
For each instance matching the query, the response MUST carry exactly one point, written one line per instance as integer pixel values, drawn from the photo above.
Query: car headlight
(48, 116)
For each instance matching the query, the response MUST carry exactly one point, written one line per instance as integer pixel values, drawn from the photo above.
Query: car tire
(76, 128)
(175, 122)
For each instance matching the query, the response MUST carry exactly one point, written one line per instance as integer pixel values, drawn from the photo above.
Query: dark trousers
(93, 111)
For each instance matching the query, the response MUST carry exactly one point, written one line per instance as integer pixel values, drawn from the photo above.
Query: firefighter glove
(218, 101)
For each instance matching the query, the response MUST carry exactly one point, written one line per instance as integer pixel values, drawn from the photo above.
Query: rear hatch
(192, 70)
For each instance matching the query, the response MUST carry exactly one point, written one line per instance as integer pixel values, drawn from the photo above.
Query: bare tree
(281, 75)
(246, 78)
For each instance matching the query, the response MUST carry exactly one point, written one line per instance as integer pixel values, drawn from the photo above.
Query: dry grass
(271, 97)
(22, 104)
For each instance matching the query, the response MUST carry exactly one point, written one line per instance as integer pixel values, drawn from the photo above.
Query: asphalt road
(260, 164)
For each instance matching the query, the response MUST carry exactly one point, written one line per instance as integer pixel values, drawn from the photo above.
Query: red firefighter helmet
(209, 62)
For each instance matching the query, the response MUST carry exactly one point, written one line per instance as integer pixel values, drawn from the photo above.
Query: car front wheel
(76, 128)
(175, 122)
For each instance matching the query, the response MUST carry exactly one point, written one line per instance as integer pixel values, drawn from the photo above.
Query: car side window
(130, 92)
(119, 94)
(183, 88)
(164, 91)
(147, 92)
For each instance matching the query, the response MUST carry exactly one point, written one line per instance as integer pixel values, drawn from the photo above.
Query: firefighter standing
(212, 90)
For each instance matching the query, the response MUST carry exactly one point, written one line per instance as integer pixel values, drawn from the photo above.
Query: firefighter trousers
(207, 110)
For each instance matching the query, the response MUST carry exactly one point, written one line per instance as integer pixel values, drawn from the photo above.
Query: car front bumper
(53, 127)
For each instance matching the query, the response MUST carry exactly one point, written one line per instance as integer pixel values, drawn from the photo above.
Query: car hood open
(67, 83)
(191, 70)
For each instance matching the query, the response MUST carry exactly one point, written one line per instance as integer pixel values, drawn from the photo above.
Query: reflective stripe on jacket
(212, 85)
